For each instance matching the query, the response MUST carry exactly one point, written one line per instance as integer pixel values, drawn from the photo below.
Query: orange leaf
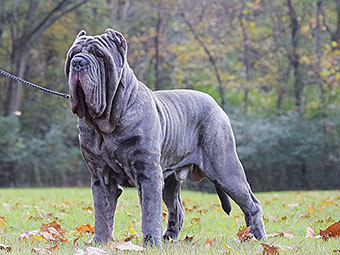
(311, 208)
(85, 228)
(5, 248)
(210, 243)
(53, 228)
(332, 231)
(244, 235)
(270, 250)
(3, 223)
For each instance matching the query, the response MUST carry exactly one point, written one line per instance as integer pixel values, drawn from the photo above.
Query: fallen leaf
(85, 228)
(132, 231)
(210, 243)
(305, 216)
(41, 251)
(75, 241)
(80, 252)
(311, 208)
(188, 238)
(95, 251)
(332, 231)
(3, 223)
(45, 250)
(53, 228)
(226, 246)
(286, 234)
(244, 235)
(310, 233)
(6, 206)
(196, 219)
(125, 245)
(269, 249)
(5, 248)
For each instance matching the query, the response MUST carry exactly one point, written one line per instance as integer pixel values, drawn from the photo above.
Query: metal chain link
(13, 77)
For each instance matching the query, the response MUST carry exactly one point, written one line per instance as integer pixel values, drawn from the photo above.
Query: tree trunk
(246, 62)
(12, 102)
(22, 46)
(294, 57)
(157, 45)
(122, 9)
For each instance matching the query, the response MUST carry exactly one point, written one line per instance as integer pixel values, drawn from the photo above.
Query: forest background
(273, 65)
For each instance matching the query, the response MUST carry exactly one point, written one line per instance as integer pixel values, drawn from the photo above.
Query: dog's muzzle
(79, 63)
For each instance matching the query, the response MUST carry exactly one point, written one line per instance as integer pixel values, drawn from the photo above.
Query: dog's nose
(79, 63)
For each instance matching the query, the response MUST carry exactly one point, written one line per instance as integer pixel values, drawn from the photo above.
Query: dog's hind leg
(172, 200)
(234, 183)
(223, 167)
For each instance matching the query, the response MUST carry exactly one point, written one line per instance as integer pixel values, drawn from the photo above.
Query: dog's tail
(225, 201)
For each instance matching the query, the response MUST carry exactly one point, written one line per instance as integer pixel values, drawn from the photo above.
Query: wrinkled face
(93, 67)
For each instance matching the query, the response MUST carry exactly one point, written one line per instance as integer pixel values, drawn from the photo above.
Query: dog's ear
(81, 33)
(119, 40)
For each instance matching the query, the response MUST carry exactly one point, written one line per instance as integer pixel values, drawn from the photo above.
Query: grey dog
(133, 137)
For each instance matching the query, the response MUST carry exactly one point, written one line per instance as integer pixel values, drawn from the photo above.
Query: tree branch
(211, 58)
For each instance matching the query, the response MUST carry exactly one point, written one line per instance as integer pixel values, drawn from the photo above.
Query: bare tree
(23, 41)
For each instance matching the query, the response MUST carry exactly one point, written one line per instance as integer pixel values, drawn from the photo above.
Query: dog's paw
(152, 241)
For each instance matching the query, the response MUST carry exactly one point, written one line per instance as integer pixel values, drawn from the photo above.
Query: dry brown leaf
(53, 228)
(85, 228)
(210, 243)
(5, 248)
(332, 231)
(269, 249)
(285, 234)
(95, 251)
(188, 238)
(244, 234)
(196, 219)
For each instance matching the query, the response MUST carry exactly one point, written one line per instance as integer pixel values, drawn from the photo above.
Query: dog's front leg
(150, 184)
(105, 194)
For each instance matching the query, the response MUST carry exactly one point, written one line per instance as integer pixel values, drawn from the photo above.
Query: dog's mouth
(78, 104)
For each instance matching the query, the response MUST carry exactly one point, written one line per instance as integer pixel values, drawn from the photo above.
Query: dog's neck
(130, 83)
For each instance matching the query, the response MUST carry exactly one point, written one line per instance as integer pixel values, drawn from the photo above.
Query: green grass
(27, 209)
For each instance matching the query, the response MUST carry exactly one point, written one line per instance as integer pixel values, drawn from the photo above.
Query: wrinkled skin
(133, 137)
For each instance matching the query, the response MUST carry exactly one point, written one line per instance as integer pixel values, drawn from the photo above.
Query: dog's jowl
(131, 136)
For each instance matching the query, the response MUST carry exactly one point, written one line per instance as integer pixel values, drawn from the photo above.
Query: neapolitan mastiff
(131, 136)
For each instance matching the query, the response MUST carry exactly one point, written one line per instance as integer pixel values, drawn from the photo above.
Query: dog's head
(93, 68)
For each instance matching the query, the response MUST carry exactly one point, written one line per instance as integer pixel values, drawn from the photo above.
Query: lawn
(286, 214)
